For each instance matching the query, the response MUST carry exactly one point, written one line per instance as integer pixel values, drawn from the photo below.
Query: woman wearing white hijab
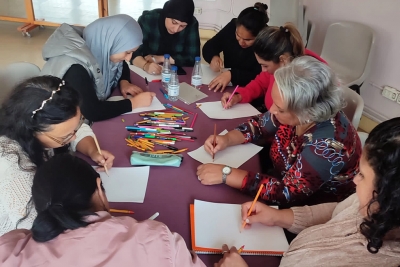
(92, 60)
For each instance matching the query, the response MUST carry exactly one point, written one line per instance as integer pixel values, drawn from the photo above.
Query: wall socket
(390, 93)
(198, 10)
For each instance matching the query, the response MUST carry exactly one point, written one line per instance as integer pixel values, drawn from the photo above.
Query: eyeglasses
(67, 139)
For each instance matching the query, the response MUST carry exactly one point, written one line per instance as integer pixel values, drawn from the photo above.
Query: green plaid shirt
(186, 48)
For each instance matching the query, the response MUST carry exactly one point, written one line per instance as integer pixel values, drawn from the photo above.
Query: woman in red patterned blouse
(314, 147)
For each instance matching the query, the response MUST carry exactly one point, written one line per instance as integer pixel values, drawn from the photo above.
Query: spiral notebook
(215, 224)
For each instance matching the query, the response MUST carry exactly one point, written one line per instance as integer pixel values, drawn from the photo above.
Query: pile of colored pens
(161, 128)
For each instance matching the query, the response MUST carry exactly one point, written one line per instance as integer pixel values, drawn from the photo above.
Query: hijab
(108, 36)
(181, 10)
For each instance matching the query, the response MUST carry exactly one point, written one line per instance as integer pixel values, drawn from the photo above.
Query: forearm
(235, 137)
(87, 146)
(140, 62)
(284, 218)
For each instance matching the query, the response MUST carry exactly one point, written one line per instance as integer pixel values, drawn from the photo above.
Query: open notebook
(215, 224)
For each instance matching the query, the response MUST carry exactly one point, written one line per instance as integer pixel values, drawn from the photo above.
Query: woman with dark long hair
(363, 230)
(41, 114)
(236, 41)
(73, 221)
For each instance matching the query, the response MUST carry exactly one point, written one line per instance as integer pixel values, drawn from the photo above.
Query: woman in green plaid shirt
(172, 30)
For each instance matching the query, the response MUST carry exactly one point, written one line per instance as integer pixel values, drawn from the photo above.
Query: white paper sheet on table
(215, 110)
(217, 224)
(126, 184)
(209, 74)
(155, 105)
(233, 156)
(143, 74)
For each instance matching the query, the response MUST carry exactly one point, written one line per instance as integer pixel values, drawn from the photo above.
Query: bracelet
(145, 65)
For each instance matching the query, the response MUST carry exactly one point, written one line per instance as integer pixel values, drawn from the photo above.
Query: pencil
(241, 249)
(122, 211)
(229, 100)
(194, 119)
(215, 139)
(252, 205)
(98, 149)
(147, 83)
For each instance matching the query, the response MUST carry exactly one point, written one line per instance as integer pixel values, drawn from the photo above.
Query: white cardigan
(16, 184)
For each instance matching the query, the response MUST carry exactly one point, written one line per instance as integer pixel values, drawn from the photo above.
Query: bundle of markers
(161, 128)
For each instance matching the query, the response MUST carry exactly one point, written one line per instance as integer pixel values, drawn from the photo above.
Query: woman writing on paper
(235, 41)
(172, 30)
(363, 230)
(274, 47)
(40, 115)
(92, 61)
(314, 147)
(73, 221)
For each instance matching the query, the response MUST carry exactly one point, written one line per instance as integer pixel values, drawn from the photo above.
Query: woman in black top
(235, 41)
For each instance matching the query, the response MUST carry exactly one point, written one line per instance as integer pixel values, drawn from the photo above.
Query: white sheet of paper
(126, 184)
(143, 74)
(209, 74)
(233, 156)
(215, 110)
(155, 105)
(217, 224)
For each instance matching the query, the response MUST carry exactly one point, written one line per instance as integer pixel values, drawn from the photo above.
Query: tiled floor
(76, 11)
(14, 47)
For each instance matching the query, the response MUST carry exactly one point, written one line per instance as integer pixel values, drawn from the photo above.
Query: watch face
(226, 170)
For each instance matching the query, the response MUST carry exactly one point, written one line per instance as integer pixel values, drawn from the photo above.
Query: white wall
(383, 17)
(216, 14)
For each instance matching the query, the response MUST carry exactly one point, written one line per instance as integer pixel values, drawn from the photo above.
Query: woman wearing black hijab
(171, 30)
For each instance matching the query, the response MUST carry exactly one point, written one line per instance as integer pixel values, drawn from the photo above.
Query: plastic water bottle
(197, 74)
(173, 86)
(166, 71)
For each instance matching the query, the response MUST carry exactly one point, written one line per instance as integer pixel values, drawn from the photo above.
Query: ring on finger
(223, 252)
(198, 177)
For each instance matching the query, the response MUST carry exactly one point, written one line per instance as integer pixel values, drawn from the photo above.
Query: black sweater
(91, 107)
(242, 61)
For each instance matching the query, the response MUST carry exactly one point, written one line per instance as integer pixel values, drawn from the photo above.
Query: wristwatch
(225, 172)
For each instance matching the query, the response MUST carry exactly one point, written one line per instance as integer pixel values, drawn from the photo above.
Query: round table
(171, 190)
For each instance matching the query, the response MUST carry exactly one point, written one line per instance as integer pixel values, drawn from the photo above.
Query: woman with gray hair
(314, 147)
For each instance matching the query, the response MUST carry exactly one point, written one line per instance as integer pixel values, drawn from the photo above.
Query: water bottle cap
(197, 58)
(175, 68)
(166, 56)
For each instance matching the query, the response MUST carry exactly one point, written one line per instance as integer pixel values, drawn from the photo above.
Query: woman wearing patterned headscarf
(171, 30)
(91, 60)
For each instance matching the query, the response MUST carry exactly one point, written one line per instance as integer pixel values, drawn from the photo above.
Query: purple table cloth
(170, 190)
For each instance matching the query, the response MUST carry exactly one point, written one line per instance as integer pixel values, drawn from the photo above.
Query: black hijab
(181, 10)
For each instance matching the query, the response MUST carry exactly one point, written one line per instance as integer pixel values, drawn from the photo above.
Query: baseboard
(370, 119)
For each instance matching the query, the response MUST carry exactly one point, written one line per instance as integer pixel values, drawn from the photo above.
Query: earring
(308, 121)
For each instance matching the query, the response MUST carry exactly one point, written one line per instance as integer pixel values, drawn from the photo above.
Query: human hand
(142, 100)
(210, 174)
(222, 142)
(231, 258)
(234, 100)
(261, 214)
(128, 88)
(220, 82)
(153, 68)
(103, 159)
(216, 64)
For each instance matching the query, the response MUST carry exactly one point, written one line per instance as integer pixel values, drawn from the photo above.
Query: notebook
(188, 94)
(215, 224)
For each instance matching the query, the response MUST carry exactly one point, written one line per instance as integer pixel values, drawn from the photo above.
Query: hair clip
(284, 29)
(50, 98)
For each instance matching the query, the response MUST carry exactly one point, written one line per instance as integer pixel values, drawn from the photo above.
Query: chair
(14, 74)
(310, 33)
(354, 107)
(348, 49)
(363, 137)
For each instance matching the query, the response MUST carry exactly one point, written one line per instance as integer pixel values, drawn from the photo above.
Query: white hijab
(108, 36)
